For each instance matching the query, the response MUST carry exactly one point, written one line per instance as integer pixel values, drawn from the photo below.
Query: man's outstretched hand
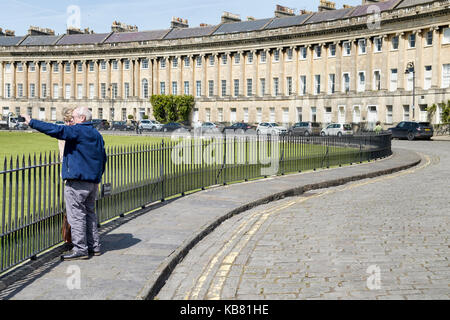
(27, 118)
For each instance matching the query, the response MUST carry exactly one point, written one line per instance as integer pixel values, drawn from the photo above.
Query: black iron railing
(31, 188)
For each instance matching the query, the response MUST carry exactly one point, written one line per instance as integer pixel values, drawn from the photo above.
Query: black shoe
(72, 255)
(95, 253)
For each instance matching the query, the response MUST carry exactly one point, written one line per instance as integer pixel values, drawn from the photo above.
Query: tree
(172, 108)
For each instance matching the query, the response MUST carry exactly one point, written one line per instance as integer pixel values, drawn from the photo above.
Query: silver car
(150, 125)
(305, 128)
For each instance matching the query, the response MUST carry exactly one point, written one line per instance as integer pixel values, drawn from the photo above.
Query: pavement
(142, 249)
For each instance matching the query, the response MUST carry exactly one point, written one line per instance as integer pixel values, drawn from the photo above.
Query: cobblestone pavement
(381, 238)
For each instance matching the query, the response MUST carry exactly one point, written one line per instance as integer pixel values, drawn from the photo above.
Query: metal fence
(31, 188)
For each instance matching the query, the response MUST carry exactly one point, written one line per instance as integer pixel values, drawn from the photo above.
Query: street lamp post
(410, 68)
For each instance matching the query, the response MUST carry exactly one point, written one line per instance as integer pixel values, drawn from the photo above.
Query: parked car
(270, 128)
(337, 129)
(121, 126)
(305, 129)
(100, 124)
(209, 127)
(150, 125)
(412, 130)
(172, 126)
(238, 126)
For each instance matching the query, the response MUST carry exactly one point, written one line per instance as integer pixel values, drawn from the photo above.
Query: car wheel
(322, 134)
(306, 133)
(410, 136)
(339, 134)
(258, 132)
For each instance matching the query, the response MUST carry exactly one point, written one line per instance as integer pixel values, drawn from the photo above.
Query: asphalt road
(381, 238)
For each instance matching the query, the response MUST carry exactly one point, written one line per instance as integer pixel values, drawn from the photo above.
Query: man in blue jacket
(82, 169)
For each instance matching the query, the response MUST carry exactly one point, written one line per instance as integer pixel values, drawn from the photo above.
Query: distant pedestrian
(378, 128)
(83, 165)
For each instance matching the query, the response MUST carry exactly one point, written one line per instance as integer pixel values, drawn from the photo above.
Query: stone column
(120, 94)
(37, 85)
(268, 72)
(13, 80)
(85, 79)
(401, 65)
(97, 79)
(73, 88)
(2, 79)
(49, 79)
(338, 77)
(25, 79)
(282, 81)
(436, 67)
(387, 69)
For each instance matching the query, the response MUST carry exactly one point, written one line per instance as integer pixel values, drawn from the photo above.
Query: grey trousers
(80, 205)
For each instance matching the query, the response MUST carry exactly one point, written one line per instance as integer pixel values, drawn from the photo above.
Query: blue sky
(98, 15)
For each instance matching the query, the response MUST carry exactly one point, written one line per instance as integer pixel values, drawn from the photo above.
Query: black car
(172, 126)
(121, 126)
(412, 130)
(100, 124)
(238, 126)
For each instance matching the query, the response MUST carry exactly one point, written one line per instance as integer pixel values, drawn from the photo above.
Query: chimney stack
(179, 23)
(10, 33)
(36, 31)
(327, 5)
(281, 12)
(73, 30)
(118, 26)
(347, 6)
(230, 17)
(370, 1)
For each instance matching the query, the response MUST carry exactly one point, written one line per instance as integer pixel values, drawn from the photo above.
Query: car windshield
(424, 124)
(274, 124)
(347, 127)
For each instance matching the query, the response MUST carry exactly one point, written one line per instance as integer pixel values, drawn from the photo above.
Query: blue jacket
(84, 152)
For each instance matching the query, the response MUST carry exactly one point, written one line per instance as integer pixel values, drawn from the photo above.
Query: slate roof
(136, 36)
(178, 33)
(40, 40)
(9, 41)
(409, 3)
(73, 39)
(243, 26)
(364, 9)
(329, 15)
(287, 21)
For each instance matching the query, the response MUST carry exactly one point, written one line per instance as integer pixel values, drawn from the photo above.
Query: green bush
(172, 108)
(445, 107)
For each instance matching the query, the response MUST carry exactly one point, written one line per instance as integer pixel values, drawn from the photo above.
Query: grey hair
(84, 111)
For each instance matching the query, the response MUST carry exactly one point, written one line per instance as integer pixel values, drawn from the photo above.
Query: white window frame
(362, 46)
(393, 83)
(361, 85)
(374, 80)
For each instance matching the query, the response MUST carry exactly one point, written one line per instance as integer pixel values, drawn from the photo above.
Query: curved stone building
(356, 65)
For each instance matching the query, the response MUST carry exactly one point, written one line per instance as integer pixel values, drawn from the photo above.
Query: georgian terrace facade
(329, 66)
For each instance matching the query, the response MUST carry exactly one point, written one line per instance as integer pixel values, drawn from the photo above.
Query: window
(103, 65)
(249, 87)
(124, 114)
(347, 48)
(289, 86)
(162, 88)
(258, 115)
(263, 56)
(224, 87)
(410, 81)
(276, 55)
(378, 44)
(162, 63)
(446, 75)
(186, 88)
(43, 66)
(236, 87)
(187, 61)
(220, 114)
(427, 77)
(272, 115)
(376, 80)
(8, 68)
(32, 90)
(237, 58)
(317, 51)
(332, 50)
(44, 90)
(7, 90)
(100, 113)
(362, 46)
(302, 85)
(55, 91)
(263, 86)
(285, 118)
(32, 67)
(313, 114)
(275, 86)
(289, 53)
(224, 59)
(68, 67)
(299, 114)
(250, 57)
(91, 66)
(79, 91)
(389, 114)
(80, 67)
(103, 90)
(406, 113)
(198, 61)
(429, 38)
(356, 114)
(412, 40)
(144, 85)
(446, 36)
(114, 91)
(331, 83)
(175, 62)
(211, 60)
(67, 92)
(198, 86)
(394, 43)
(174, 88)
(91, 90)
(42, 114)
(317, 84)
(346, 82)
(361, 81)
(126, 64)
(19, 90)
(327, 115)
(144, 64)
(245, 114)
(19, 67)
(210, 88)
(393, 81)
(302, 53)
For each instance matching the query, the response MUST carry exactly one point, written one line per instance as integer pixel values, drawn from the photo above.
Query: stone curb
(163, 272)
